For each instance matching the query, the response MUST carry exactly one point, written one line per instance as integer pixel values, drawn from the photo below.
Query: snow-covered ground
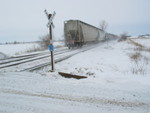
(143, 41)
(15, 49)
(117, 82)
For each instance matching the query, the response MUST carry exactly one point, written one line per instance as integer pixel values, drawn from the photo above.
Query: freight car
(110, 36)
(77, 33)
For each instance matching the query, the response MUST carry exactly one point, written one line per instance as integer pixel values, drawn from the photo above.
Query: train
(78, 33)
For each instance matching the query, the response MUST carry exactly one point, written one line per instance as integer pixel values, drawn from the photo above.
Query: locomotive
(78, 33)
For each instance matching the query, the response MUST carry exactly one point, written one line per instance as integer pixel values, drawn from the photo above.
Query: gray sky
(25, 20)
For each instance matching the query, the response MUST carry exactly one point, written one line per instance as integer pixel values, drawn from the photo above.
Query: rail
(37, 62)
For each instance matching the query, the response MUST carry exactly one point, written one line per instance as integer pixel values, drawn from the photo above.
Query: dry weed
(140, 63)
(138, 69)
(136, 44)
(136, 56)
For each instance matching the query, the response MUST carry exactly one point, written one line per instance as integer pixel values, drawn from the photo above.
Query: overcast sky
(25, 20)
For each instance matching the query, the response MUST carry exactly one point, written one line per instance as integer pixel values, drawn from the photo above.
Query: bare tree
(103, 25)
(44, 41)
(123, 36)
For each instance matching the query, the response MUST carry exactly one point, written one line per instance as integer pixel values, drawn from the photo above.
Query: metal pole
(51, 43)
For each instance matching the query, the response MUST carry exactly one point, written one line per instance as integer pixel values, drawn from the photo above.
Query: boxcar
(77, 33)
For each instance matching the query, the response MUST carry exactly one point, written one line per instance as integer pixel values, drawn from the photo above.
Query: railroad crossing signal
(50, 18)
(50, 24)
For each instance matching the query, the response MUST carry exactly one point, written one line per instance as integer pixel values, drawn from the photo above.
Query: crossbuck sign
(50, 18)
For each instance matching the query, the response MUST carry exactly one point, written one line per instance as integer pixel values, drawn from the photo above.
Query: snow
(111, 86)
(107, 58)
(58, 44)
(2, 55)
(14, 49)
(143, 41)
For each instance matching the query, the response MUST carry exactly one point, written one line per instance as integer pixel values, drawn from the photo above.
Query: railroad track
(27, 56)
(59, 58)
(38, 60)
(14, 62)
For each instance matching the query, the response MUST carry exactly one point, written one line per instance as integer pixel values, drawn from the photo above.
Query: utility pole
(51, 47)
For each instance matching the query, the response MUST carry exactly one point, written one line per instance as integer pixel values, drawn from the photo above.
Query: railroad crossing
(50, 24)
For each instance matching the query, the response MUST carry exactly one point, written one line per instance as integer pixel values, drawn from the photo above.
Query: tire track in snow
(83, 99)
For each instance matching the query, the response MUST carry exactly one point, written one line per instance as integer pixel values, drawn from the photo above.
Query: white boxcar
(78, 33)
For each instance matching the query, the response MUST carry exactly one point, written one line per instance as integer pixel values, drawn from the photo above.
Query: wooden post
(52, 52)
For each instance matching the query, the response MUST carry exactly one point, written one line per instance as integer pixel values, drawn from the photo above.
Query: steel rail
(19, 58)
(33, 59)
(56, 61)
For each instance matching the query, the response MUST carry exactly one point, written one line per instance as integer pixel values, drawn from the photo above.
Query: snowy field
(118, 82)
(16, 49)
(144, 41)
